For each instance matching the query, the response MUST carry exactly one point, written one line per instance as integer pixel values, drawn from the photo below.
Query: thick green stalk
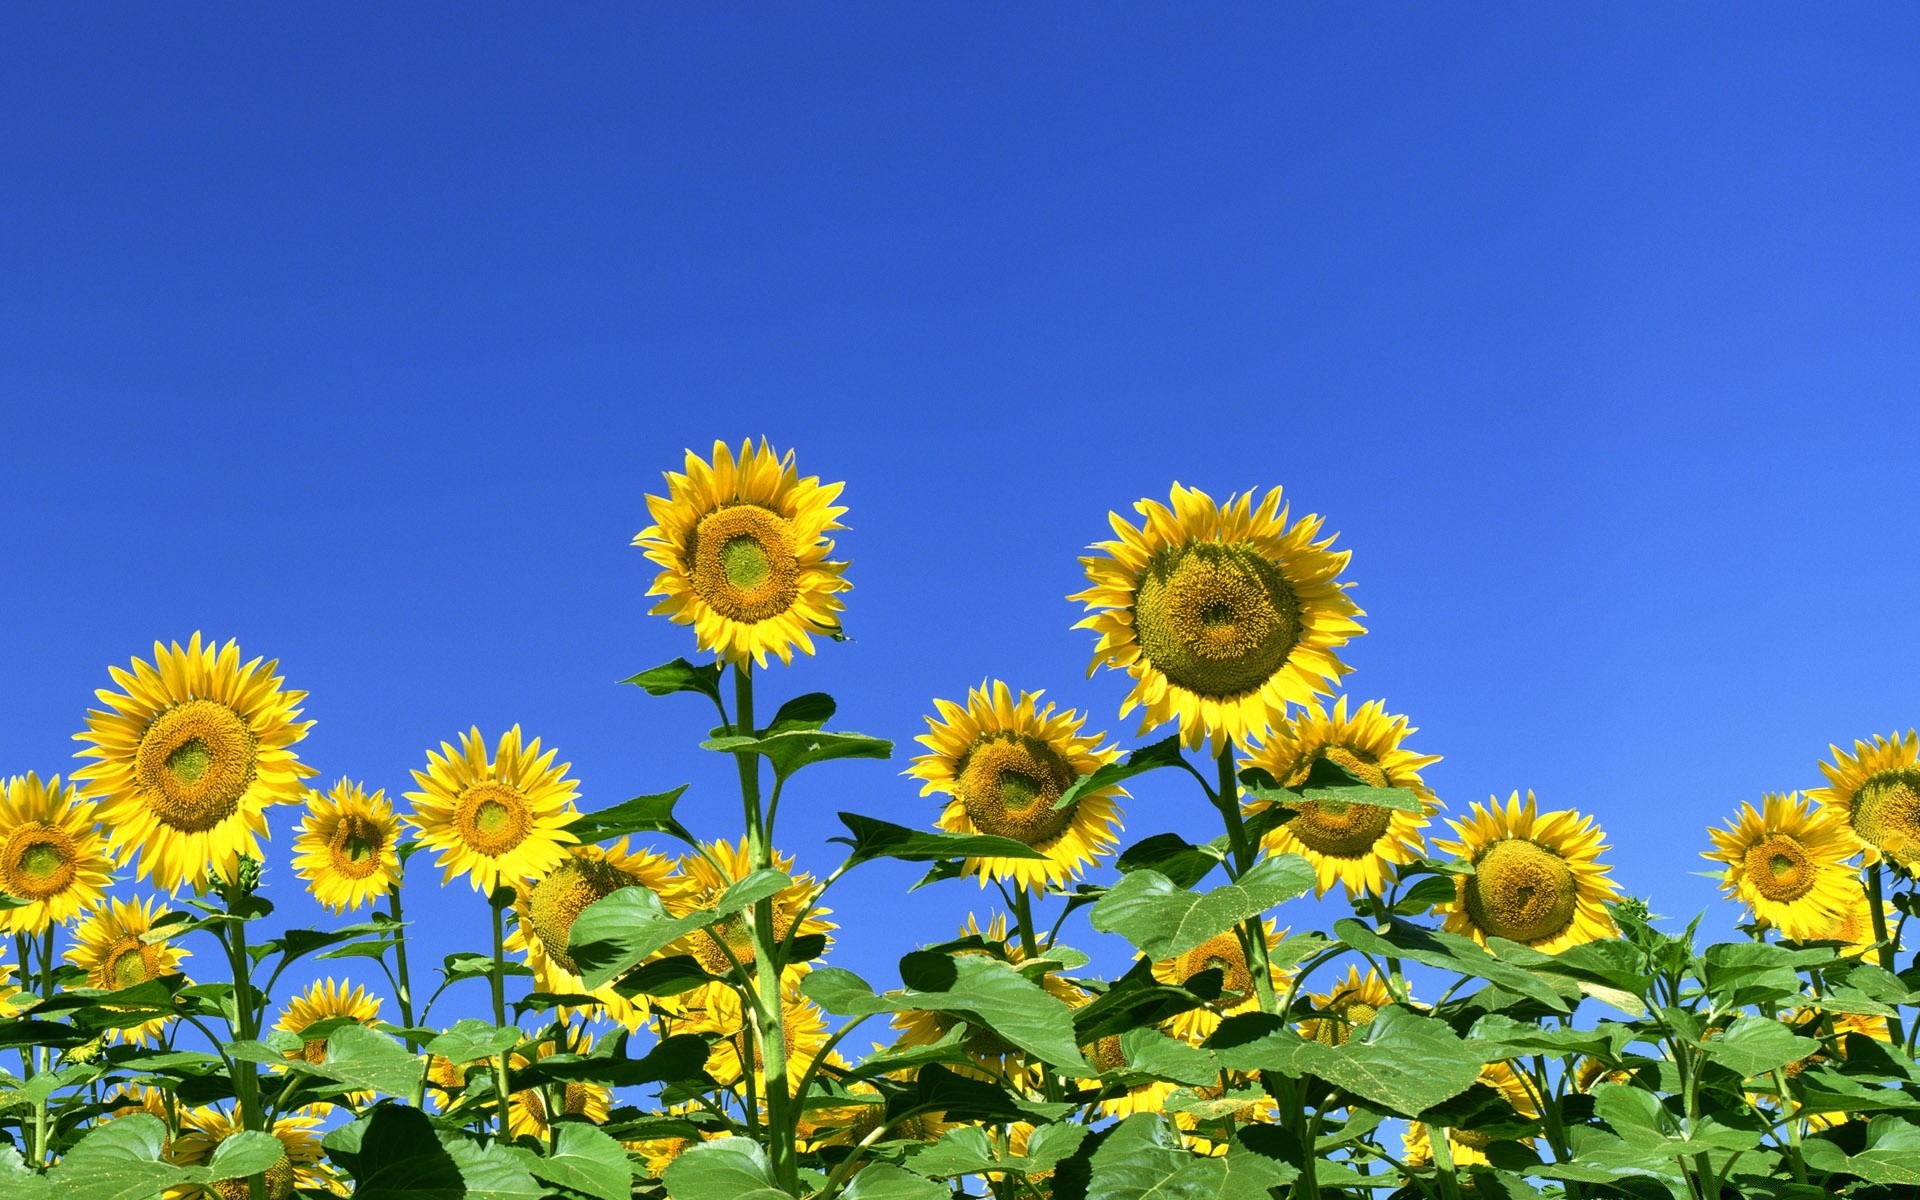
(403, 985)
(1437, 1137)
(1877, 905)
(1030, 942)
(246, 1076)
(769, 1012)
(503, 1093)
(46, 993)
(1253, 929)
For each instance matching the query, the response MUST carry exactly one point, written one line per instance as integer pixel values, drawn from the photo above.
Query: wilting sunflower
(1787, 862)
(1358, 845)
(1537, 877)
(546, 908)
(1350, 1004)
(50, 854)
(1222, 614)
(203, 1129)
(1238, 993)
(1469, 1148)
(528, 1113)
(109, 945)
(721, 1012)
(190, 758)
(742, 548)
(348, 846)
(500, 820)
(1875, 793)
(1004, 763)
(713, 869)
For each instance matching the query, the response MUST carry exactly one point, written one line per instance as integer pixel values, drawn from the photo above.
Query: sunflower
(329, 1002)
(742, 550)
(1004, 763)
(1787, 862)
(1536, 880)
(189, 759)
(1854, 926)
(203, 1129)
(110, 945)
(993, 1056)
(1358, 845)
(721, 1012)
(1238, 994)
(1349, 1005)
(545, 909)
(1222, 614)
(1468, 1148)
(1875, 792)
(348, 847)
(1108, 1056)
(660, 1152)
(850, 1124)
(1245, 1105)
(713, 869)
(527, 1114)
(50, 854)
(1590, 1072)
(500, 821)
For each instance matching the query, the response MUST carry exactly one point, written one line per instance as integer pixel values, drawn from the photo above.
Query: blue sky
(360, 333)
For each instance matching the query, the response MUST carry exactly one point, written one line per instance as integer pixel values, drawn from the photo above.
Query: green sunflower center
(1344, 1015)
(492, 818)
(1886, 812)
(38, 862)
(558, 900)
(1008, 784)
(195, 763)
(130, 961)
(1220, 953)
(743, 561)
(1780, 868)
(355, 847)
(1521, 891)
(1217, 619)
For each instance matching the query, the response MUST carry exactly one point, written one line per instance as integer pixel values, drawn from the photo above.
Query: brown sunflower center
(1105, 1054)
(195, 763)
(743, 561)
(38, 861)
(1217, 619)
(1008, 785)
(1220, 953)
(1886, 812)
(1521, 891)
(130, 961)
(558, 900)
(279, 1181)
(1780, 868)
(356, 845)
(492, 818)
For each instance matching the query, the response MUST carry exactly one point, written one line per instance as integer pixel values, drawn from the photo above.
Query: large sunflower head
(1875, 793)
(1223, 953)
(1537, 876)
(546, 908)
(189, 757)
(1004, 763)
(529, 1114)
(1787, 862)
(110, 945)
(742, 547)
(1356, 845)
(203, 1129)
(499, 819)
(51, 855)
(1222, 614)
(713, 869)
(1350, 1004)
(348, 846)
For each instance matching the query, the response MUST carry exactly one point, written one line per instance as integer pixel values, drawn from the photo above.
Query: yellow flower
(1468, 1148)
(1854, 926)
(110, 945)
(1349, 1005)
(720, 1011)
(500, 821)
(660, 1152)
(348, 846)
(1875, 793)
(1203, 1133)
(327, 1001)
(10, 1003)
(742, 549)
(1787, 863)
(1537, 878)
(203, 1129)
(1238, 993)
(849, 1124)
(1107, 1055)
(528, 1113)
(1221, 614)
(1353, 844)
(710, 872)
(1004, 763)
(50, 854)
(190, 758)
(546, 909)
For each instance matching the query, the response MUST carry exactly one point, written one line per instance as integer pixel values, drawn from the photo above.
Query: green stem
(1253, 929)
(1877, 905)
(1030, 941)
(1443, 1161)
(403, 986)
(46, 993)
(246, 1075)
(503, 1093)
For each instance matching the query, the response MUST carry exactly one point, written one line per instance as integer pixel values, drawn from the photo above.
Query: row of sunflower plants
(1316, 990)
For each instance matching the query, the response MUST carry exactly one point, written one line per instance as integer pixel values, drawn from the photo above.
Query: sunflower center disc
(355, 847)
(1521, 891)
(492, 818)
(128, 963)
(279, 1181)
(743, 562)
(39, 862)
(1008, 785)
(1218, 620)
(1105, 1054)
(1780, 868)
(559, 899)
(1886, 812)
(194, 763)
(1220, 953)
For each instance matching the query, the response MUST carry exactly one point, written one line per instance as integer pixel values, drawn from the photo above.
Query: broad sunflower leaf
(1755, 1045)
(884, 1181)
(680, 1057)
(1399, 1061)
(584, 1159)
(1150, 1052)
(732, 1168)
(1138, 999)
(966, 1151)
(880, 839)
(669, 976)
(1145, 1158)
(1163, 753)
(617, 932)
(984, 990)
(1163, 920)
(249, 1152)
(642, 814)
(1448, 952)
(117, 1160)
(1171, 855)
(471, 1040)
(679, 676)
(19, 1181)
(362, 1058)
(810, 711)
(791, 749)
(395, 1153)
(1892, 1155)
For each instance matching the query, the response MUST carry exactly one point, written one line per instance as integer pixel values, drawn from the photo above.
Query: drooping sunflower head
(1221, 614)
(110, 945)
(1004, 763)
(51, 855)
(529, 1114)
(1875, 794)
(203, 1129)
(500, 819)
(1537, 876)
(1350, 1004)
(742, 548)
(1787, 862)
(1238, 992)
(329, 1002)
(348, 847)
(1356, 845)
(189, 757)
(714, 868)
(546, 908)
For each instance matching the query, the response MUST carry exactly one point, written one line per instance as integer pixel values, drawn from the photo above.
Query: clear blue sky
(359, 332)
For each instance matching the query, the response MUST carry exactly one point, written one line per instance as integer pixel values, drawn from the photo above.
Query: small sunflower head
(1788, 863)
(498, 818)
(51, 855)
(348, 847)
(1536, 876)
(1875, 794)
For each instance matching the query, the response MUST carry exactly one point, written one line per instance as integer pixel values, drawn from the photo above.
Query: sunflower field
(1327, 983)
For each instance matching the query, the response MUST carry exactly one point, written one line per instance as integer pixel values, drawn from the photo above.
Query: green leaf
(615, 933)
(249, 1152)
(792, 749)
(680, 1057)
(883, 1181)
(1163, 753)
(732, 1168)
(1171, 855)
(1145, 1159)
(1892, 1155)
(1150, 1052)
(117, 1160)
(471, 1040)
(362, 1058)
(1138, 999)
(395, 1153)
(586, 1160)
(1756, 1045)
(1163, 920)
(1448, 952)
(810, 711)
(1425, 894)
(680, 676)
(879, 839)
(642, 814)
(19, 1181)
(986, 991)
(668, 976)
(1400, 1061)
